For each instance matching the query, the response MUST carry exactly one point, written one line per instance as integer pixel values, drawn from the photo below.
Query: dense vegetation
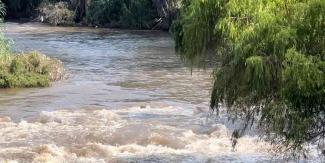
(139, 14)
(26, 70)
(122, 13)
(271, 56)
(59, 13)
(20, 8)
(23, 8)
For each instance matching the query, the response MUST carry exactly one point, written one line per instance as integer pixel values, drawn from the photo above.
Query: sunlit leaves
(273, 69)
(195, 31)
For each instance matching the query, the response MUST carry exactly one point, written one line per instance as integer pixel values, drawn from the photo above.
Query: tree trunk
(81, 6)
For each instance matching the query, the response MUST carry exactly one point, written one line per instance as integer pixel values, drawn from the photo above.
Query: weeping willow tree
(194, 31)
(272, 62)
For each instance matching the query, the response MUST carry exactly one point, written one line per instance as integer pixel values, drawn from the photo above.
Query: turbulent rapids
(101, 135)
(128, 98)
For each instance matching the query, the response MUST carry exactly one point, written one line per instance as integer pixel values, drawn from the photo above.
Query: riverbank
(144, 14)
(27, 69)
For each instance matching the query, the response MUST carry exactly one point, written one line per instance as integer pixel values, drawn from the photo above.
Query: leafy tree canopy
(122, 13)
(272, 62)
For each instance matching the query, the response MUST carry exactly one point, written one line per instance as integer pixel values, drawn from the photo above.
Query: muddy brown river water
(128, 98)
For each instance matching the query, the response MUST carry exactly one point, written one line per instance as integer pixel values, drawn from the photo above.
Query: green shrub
(24, 8)
(30, 70)
(21, 8)
(5, 45)
(58, 13)
(26, 70)
(122, 13)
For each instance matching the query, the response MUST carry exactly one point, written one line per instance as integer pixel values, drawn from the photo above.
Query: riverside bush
(58, 13)
(23, 8)
(136, 14)
(122, 13)
(31, 69)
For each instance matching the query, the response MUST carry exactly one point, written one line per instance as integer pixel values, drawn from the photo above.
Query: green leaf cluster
(21, 7)
(29, 70)
(122, 13)
(194, 31)
(271, 56)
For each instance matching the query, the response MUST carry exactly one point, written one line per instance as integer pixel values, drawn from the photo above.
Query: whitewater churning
(89, 135)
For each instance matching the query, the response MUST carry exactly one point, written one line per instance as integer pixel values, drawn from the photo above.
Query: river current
(127, 98)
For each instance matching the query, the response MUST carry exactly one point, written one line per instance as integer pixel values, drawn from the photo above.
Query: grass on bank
(27, 70)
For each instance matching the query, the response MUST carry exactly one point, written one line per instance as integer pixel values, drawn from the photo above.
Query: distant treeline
(139, 14)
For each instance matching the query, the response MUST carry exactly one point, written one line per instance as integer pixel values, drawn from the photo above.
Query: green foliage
(138, 14)
(272, 71)
(122, 13)
(194, 32)
(5, 45)
(281, 46)
(58, 13)
(21, 7)
(104, 11)
(29, 70)
(2, 9)
(26, 70)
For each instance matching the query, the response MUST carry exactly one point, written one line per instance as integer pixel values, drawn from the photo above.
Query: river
(127, 98)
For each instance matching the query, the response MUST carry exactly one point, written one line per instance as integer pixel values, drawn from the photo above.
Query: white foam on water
(110, 136)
